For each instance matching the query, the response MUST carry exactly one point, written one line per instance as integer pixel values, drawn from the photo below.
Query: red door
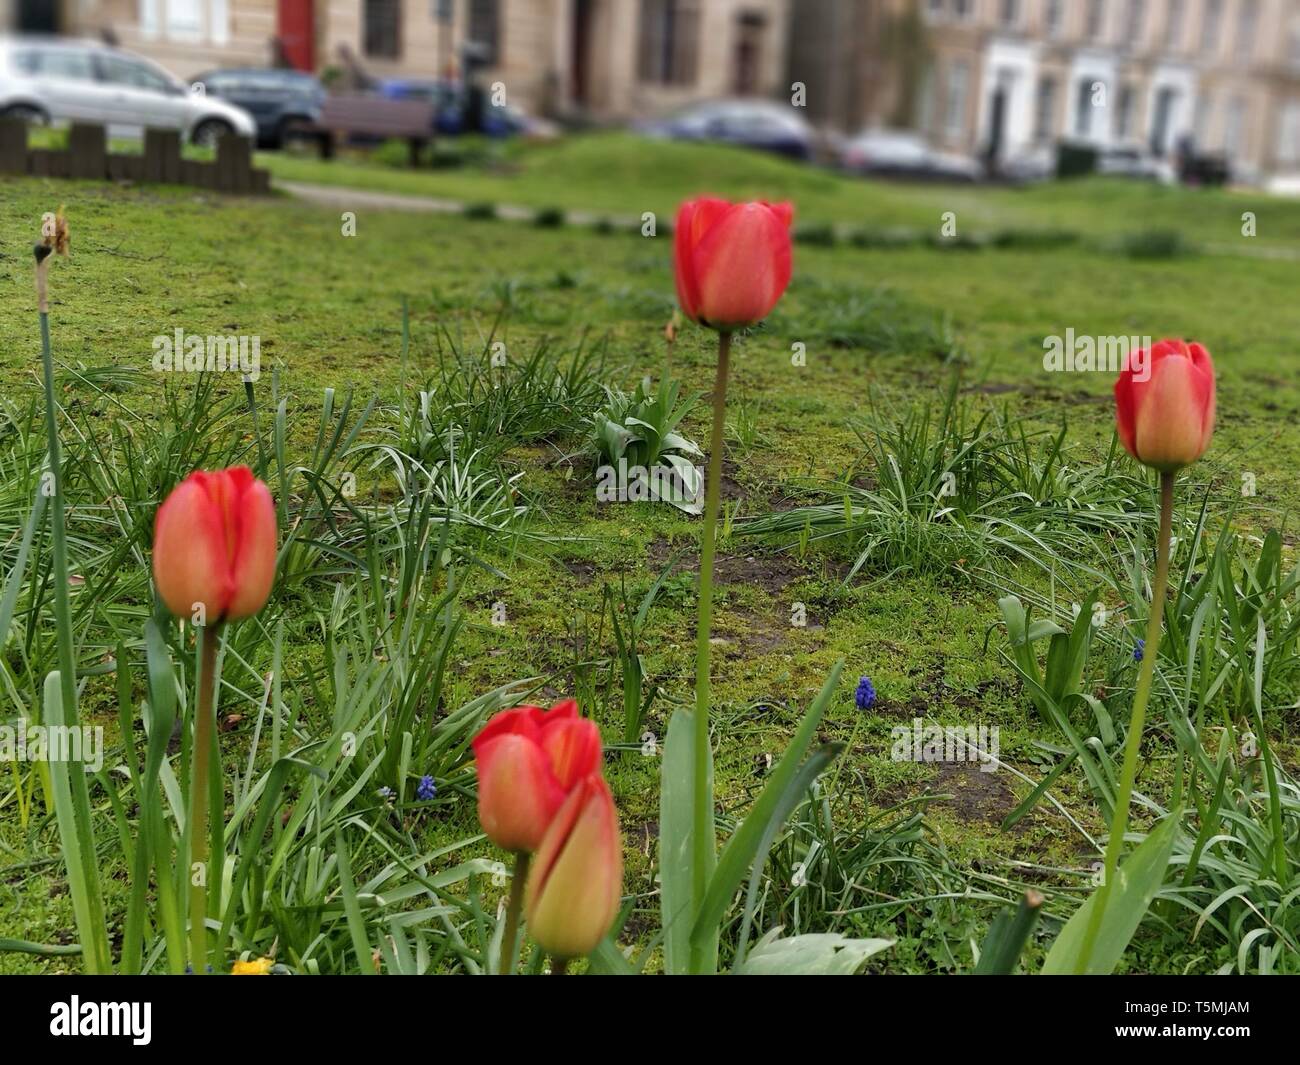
(295, 26)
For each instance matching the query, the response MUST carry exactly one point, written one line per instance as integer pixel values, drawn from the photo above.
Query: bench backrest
(360, 113)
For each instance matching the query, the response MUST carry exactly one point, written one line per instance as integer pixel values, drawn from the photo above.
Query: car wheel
(209, 131)
(33, 116)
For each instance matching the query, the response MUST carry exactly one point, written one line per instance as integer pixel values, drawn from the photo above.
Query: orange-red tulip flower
(576, 882)
(214, 546)
(1164, 404)
(529, 759)
(732, 260)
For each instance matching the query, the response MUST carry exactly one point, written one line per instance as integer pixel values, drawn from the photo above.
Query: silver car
(55, 81)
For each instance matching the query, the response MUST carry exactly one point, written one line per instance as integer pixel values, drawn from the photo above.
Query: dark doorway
(751, 28)
(584, 14)
(997, 122)
(1160, 121)
(38, 16)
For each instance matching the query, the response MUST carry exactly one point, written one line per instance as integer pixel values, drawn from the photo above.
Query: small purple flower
(426, 789)
(865, 696)
(1139, 649)
(385, 793)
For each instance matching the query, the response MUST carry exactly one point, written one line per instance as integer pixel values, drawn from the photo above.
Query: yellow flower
(257, 967)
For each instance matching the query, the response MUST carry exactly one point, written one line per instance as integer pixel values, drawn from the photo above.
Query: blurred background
(1197, 91)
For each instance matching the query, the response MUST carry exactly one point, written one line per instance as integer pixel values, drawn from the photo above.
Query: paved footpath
(349, 199)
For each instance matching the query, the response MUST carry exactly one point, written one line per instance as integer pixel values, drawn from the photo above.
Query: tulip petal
(694, 219)
(189, 556)
(576, 883)
(573, 746)
(1170, 417)
(253, 564)
(518, 794)
(742, 266)
(525, 721)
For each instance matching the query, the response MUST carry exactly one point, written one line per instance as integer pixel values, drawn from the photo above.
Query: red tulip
(576, 882)
(214, 546)
(732, 260)
(1164, 404)
(528, 761)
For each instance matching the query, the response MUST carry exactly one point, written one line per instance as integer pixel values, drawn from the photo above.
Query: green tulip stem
(703, 831)
(201, 758)
(513, 909)
(1119, 819)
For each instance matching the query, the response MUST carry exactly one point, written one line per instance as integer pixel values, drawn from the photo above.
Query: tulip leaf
(351, 908)
(1000, 952)
(742, 848)
(14, 584)
(815, 954)
(1136, 883)
(676, 835)
(608, 960)
(795, 790)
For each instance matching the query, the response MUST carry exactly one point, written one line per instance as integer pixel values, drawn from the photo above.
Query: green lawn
(885, 332)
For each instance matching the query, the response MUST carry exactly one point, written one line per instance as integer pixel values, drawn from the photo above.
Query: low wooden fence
(87, 156)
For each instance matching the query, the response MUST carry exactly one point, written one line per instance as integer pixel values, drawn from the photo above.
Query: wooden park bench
(362, 115)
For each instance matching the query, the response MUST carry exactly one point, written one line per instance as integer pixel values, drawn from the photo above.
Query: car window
(64, 63)
(119, 71)
(25, 61)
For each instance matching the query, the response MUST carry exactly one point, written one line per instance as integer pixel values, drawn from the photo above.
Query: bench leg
(415, 144)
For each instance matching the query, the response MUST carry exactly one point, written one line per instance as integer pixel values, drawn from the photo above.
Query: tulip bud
(214, 546)
(1164, 404)
(732, 260)
(528, 761)
(576, 882)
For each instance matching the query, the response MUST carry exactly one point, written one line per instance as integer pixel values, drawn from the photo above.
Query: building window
(1202, 115)
(1044, 109)
(954, 109)
(382, 28)
(1135, 16)
(1010, 12)
(1083, 109)
(1096, 19)
(1288, 133)
(1124, 113)
(1233, 140)
(184, 20)
(1053, 16)
(1210, 26)
(1247, 25)
(963, 8)
(1174, 15)
(669, 50)
(485, 29)
(925, 103)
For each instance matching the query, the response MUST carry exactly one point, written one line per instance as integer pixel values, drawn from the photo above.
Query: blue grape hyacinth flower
(426, 789)
(1139, 649)
(865, 696)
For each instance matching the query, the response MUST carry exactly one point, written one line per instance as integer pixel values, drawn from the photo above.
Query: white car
(902, 153)
(56, 81)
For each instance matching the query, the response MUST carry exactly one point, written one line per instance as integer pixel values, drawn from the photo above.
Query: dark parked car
(761, 124)
(280, 101)
(450, 100)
